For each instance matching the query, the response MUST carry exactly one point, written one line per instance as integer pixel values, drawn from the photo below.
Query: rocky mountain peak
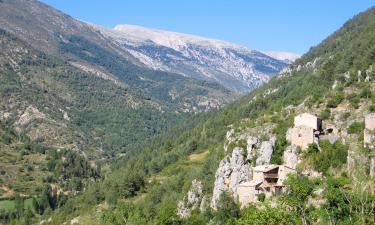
(235, 67)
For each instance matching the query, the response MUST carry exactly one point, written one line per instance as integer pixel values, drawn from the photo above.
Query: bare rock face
(240, 169)
(182, 210)
(221, 181)
(290, 157)
(231, 172)
(229, 139)
(265, 152)
(252, 144)
(31, 113)
(194, 198)
(194, 195)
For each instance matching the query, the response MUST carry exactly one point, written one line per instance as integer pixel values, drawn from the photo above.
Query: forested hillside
(146, 187)
(170, 178)
(75, 89)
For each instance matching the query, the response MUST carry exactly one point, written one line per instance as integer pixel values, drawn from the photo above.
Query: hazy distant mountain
(287, 57)
(235, 67)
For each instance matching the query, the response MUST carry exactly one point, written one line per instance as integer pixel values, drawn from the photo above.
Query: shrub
(325, 114)
(335, 100)
(313, 148)
(356, 128)
(366, 93)
(261, 197)
(346, 115)
(331, 155)
(354, 100)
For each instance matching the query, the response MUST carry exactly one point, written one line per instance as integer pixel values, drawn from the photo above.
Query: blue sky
(278, 25)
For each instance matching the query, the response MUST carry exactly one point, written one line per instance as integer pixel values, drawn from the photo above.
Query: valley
(134, 125)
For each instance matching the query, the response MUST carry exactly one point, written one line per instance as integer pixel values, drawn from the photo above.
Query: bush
(313, 148)
(331, 155)
(366, 92)
(261, 197)
(228, 209)
(356, 128)
(269, 216)
(325, 114)
(354, 100)
(335, 100)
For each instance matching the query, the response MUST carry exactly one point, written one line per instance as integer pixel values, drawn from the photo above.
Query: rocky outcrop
(182, 210)
(231, 172)
(194, 195)
(290, 157)
(265, 152)
(221, 181)
(193, 201)
(228, 139)
(252, 145)
(240, 169)
(31, 113)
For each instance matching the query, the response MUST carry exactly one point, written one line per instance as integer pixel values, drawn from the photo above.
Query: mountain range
(235, 67)
(130, 70)
(133, 125)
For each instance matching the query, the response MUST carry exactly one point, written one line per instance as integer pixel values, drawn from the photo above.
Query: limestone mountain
(235, 67)
(60, 35)
(65, 84)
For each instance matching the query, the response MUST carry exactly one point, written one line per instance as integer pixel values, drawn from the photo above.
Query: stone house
(309, 120)
(248, 192)
(306, 130)
(267, 179)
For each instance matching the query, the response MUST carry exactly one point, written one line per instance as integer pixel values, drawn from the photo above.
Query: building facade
(268, 180)
(306, 130)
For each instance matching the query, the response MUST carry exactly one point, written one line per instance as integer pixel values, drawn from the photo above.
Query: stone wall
(247, 192)
(302, 136)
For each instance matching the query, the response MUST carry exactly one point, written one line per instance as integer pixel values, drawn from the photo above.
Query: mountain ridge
(240, 69)
(84, 74)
